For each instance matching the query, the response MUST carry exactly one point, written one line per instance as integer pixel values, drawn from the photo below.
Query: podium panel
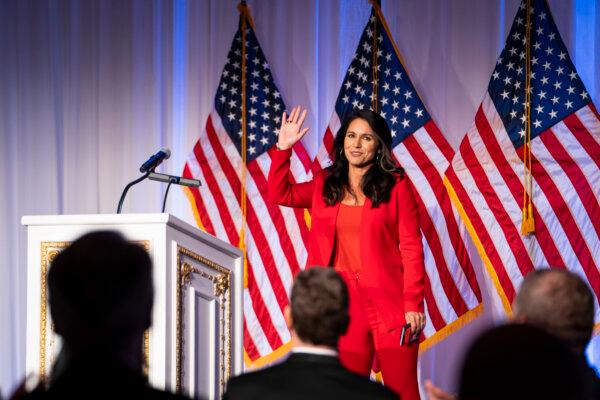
(195, 342)
(203, 324)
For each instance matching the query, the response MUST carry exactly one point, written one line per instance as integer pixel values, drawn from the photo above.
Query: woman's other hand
(435, 393)
(417, 323)
(291, 128)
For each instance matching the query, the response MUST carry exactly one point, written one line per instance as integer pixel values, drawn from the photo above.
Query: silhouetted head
(319, 306)
(559, 302)
(100, 290)
(519, 361)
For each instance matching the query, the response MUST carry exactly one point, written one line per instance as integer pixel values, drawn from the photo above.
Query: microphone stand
(153, 176)
(130, 184)
(172, 179)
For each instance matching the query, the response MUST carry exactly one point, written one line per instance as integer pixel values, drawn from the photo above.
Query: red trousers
(367, 337)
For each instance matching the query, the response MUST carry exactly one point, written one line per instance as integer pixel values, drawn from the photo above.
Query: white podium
(195, 342)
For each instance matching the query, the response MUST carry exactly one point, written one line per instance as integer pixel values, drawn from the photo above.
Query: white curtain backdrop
(89, 89)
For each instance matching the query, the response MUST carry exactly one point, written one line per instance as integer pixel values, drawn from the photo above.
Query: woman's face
(360, 143)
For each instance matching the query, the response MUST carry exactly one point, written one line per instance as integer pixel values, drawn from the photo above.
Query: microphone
(155, 160)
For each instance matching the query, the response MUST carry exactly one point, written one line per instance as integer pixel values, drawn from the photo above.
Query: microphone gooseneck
(130, 184)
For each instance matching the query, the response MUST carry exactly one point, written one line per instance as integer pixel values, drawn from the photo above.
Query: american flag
(274, 236)
(486, 177)
(452, 294)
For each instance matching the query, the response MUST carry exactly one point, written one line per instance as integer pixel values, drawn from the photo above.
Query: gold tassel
(528, 223)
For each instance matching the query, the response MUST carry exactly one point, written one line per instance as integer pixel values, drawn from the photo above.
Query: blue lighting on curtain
(179, 66)
(501, 25)
(158, 61)
(585, 23)
(352, 20)
(58, 98)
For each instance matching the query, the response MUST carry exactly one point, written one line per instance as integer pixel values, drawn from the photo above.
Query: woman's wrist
(280, 147)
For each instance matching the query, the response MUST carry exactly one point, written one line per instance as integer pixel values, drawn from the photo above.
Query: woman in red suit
(365, 224)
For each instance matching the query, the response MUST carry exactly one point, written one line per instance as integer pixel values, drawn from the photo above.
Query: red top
(347, 239)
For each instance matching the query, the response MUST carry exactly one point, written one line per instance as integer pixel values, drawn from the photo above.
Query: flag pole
(377, 7)
(528, 223)
(246, 19)
(375, 69)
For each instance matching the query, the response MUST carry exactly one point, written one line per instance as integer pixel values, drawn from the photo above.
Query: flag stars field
(549, 63)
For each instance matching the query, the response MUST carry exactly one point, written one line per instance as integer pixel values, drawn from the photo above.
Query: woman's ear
(287, 315)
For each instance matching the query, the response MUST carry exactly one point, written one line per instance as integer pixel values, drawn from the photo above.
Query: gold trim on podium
(49, 251)
(221, 278)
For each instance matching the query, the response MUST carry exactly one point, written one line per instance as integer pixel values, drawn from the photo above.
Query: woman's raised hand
(291, 128)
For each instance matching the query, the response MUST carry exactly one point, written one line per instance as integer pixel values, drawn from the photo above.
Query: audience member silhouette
(560, 303)
(518, 362)
(317, 317)
(101, 296)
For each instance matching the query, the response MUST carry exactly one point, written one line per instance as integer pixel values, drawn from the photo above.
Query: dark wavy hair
(378, 181)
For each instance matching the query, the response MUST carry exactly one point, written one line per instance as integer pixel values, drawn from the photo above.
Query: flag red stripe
(298, 212)
(515, 186)
(584, 137)
(249, 345)
(223, 160)
(566, 220)
(450, 290)
(435, 181)
(328, 140)
(428, 229)
(302, 155)
(262, 245)
(277, 218)
(575, 175)
(482, 232)
(495, 205)
(436, 318)
(222, 207)
(261, 311)
(439, 140)
(202, 213)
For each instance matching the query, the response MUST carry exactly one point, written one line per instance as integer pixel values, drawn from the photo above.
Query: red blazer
(391, 248)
